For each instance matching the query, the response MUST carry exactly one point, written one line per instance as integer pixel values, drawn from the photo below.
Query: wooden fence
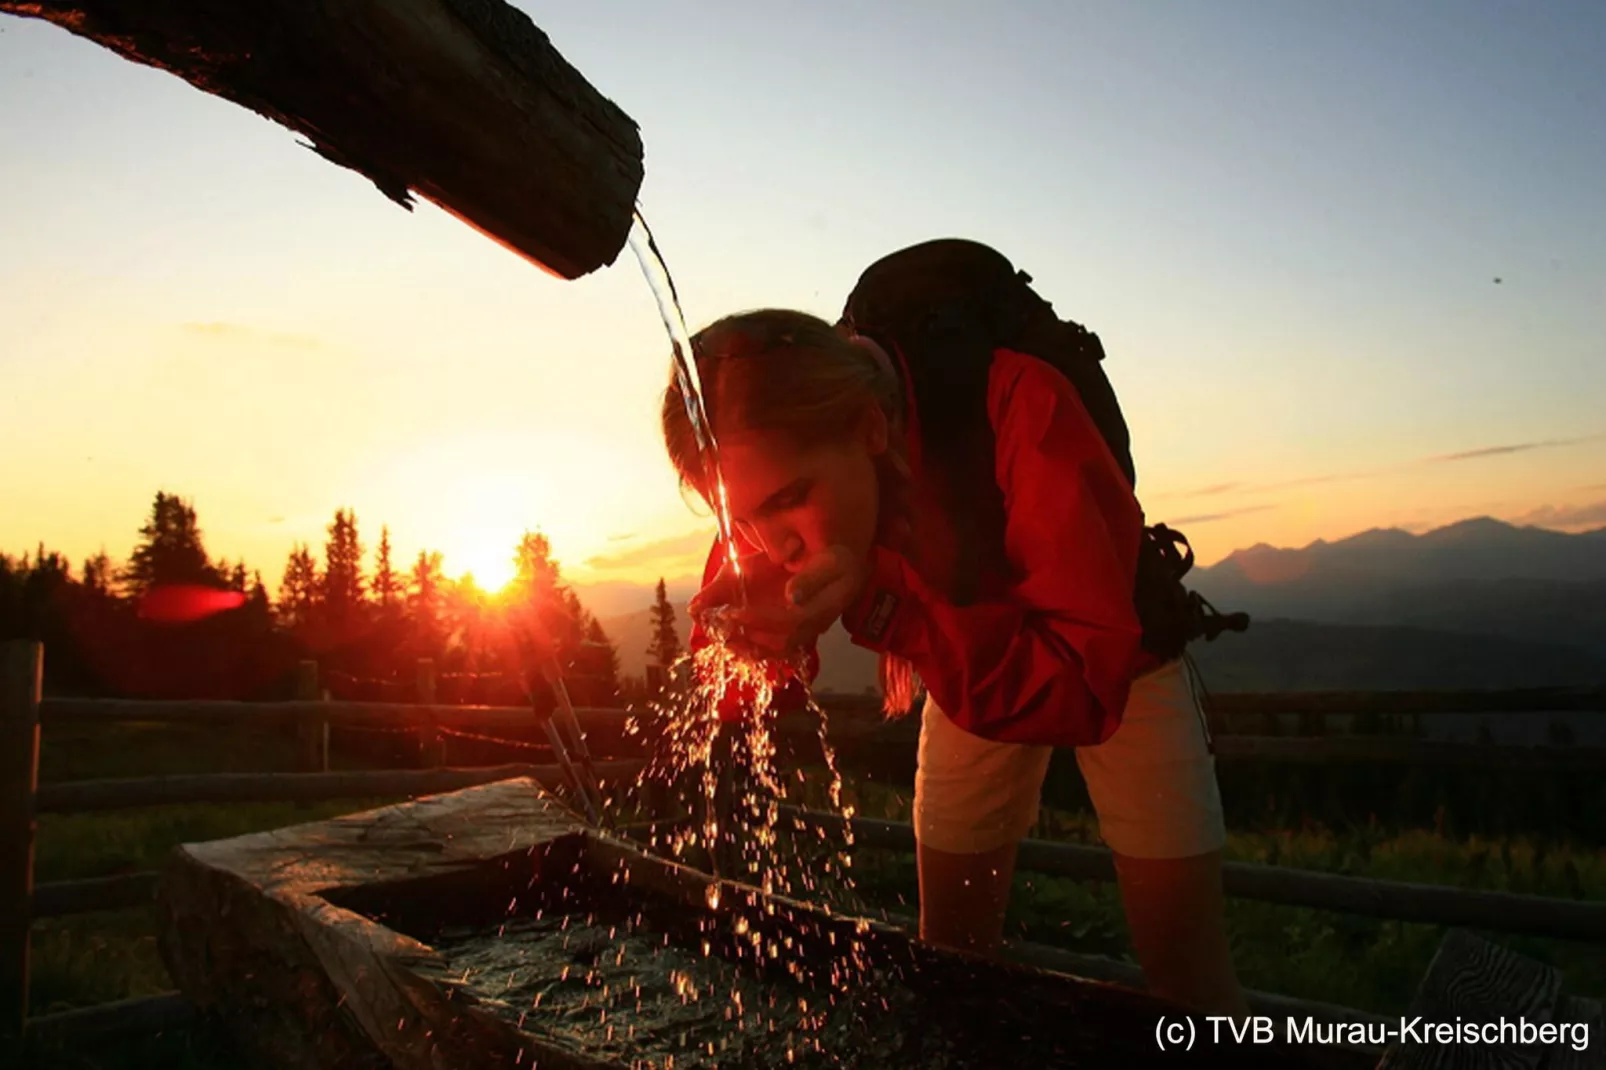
(24, 711)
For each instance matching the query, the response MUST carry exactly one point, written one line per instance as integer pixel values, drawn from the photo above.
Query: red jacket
(1049, 657)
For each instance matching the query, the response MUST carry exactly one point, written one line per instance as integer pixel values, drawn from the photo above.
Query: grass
(1353, 961)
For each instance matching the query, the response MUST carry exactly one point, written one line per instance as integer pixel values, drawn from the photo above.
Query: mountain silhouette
(1479, 577)
(1476, 604)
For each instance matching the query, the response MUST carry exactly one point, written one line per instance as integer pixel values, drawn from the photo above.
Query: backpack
(946, 305)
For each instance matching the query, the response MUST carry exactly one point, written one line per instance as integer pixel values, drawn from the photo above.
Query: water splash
(689, 731)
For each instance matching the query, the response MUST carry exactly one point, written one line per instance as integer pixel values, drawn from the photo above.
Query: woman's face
(792, 501)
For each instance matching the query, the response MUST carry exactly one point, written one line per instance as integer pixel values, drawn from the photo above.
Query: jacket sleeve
(737, 700)
(1051, 661)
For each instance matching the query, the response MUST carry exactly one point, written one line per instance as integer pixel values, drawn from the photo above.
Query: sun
(491, 565)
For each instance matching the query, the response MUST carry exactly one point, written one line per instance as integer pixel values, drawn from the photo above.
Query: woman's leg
(963, 897)
(1153, 784)
(1174, 913)
(974, 800)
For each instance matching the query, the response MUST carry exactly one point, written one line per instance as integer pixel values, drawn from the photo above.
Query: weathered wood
(1521, 700)
(1566, 919)
(1572, 1052)
(465, 102)
(248, 934)
(82, 795)
(1385, 750)
(607, 722)
(314, 947)
(1471, 980)
(146, 1014)
(64, 711)
(21, 678)
(312, 754)
(56, 898)
(431, 744)
(851, 739)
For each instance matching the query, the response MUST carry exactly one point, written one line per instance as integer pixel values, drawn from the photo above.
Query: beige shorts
(1153, 783)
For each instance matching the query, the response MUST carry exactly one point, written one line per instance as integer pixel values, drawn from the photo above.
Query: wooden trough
(490, 928)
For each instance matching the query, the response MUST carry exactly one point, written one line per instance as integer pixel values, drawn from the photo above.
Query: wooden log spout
(463, 102)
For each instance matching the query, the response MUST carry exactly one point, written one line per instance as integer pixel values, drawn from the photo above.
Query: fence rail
(63, 711)
(1388, 703)
(85, 795)
(53, 899)
(23, 711)
(1533, 915)
(1383, 750)
(1294, 750)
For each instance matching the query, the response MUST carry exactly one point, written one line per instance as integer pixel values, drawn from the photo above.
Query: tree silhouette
(602, 661)
(664, 648)
(298, 593)
(257, 598)
(539, 595)
(341, 587)
(170, 550)
(98, 574)
(424, 603)
(386, 585)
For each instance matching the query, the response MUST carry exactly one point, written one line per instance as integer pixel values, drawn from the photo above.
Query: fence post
(21, 679)
(431, 744)
(311, 738)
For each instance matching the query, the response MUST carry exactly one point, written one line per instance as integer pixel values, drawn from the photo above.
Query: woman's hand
(785, 613)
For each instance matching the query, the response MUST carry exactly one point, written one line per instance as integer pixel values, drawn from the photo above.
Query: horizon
(491, 589)
(1347, 265)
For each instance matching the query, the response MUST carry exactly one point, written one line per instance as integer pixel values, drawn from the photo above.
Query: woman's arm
(1052, 661)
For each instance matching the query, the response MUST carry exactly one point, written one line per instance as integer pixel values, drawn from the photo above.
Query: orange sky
(1303, 349)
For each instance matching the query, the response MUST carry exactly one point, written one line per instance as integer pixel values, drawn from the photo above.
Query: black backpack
(946, 305)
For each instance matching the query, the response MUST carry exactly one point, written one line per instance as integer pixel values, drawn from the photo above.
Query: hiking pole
(587, 770)
(561, 751)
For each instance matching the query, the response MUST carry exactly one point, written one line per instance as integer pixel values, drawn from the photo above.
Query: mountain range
(1477, 604)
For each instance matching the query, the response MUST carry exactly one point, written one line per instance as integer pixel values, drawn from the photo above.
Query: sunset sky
(1285, 220)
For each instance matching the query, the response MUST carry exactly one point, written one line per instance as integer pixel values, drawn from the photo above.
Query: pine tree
(257, 599)
(424, 602)
(342, 584)
(298, 593)
(665, 646)
(98, 574)
(602, 660)
(170, 550)
(386, 585)
(237, 578)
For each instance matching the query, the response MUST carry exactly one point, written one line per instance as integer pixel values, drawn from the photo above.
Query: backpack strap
(1172, 616)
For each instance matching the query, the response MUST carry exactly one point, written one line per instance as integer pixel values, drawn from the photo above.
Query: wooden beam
(143, 1015)
(1520, 700)
(312, 751)
(54, 899)
(64, 711)
(22, 664)
(83, 795)
(1433, 904)
(464, 102)
(1392, 750)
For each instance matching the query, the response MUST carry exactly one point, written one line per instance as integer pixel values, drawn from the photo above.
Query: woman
(1024, 634)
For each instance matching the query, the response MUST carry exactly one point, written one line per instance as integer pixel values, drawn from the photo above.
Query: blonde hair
(780, 371)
